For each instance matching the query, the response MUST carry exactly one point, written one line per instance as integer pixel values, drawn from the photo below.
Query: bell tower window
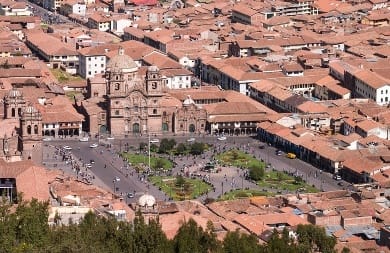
(117, 86)
(13, 112)
(28, 129)
(35, 129)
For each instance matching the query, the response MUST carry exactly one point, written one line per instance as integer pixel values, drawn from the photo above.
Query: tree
(149, 238)
(197, 148)
(166, 145)
(315, 238)
(159, 163)
(240, 242)
(256, 172)
(142, 146)
(31, 224)
(192, 238)
(181, 149)
(180, 181)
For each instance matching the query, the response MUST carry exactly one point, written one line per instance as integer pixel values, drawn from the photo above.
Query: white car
(222, 138)
(67, 148)
(94, 145)
(88, 165)
(154, 141)
(191, 140)
(84, 139)
(110, 138)
(46, 139)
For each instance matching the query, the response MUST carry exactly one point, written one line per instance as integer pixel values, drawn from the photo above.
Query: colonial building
(134, 102)
(21, 130)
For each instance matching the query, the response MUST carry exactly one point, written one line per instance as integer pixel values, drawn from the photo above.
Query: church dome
(121, 62)
(147, 200)
(188, 101)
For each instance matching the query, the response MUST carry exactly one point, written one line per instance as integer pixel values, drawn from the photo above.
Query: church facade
(137, 102)
(21, 128)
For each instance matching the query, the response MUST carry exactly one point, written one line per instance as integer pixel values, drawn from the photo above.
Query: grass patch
(238, 194)
(191, 188)
(237, 158)
(63, 76)
(273, 183)
(280, 181)
(140, 161)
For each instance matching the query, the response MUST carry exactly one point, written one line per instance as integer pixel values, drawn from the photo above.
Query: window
(154, 111)
(136, 108)
(19, 111)
(35, 129)
(155, 101)
(165, 127)
(28, 129)
(103, 116)
(116, 77)
(117, 112)
(117, 86)
(13, 112)
(154, 85)
(117, 102)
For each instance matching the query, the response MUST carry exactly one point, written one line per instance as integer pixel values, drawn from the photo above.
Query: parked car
(222, 138)
(94, 145)
(337, 177)
(130, 195)
(291, 155)
(84, 139)
(191, 140)
(278, 152)
(67, 148)
(154, 141)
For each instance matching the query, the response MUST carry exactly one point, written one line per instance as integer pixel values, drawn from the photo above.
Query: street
(113, 173)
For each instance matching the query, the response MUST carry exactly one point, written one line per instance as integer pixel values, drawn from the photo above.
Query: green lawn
(191, 189)
(155, 162)
(237, 158)
(280, 181)
(63, 76)
(274, 182)
(237, 194)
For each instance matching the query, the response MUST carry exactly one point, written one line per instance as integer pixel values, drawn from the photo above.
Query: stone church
(137, 102)
(21, 130)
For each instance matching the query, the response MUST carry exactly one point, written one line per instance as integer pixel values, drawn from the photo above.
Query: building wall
(90, 65)
(357, 221)
(324, 220)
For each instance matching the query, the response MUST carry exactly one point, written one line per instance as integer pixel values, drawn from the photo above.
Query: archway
(136, 128)
(103, 129)
(47, 133)
(191, 128)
